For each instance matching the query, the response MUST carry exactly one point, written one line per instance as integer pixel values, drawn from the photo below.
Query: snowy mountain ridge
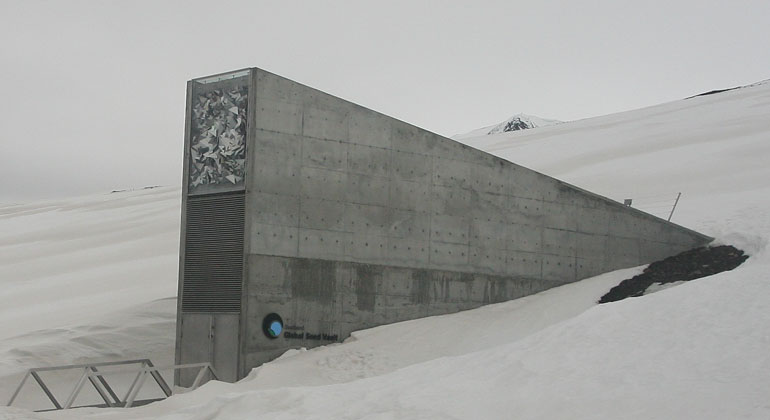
(515, 123)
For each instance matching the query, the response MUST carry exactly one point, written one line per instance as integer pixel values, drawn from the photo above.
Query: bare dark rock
(689, 265)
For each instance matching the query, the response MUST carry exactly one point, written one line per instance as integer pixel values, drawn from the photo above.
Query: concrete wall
(355, 219)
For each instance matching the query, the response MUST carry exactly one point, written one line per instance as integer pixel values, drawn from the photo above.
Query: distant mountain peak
(521, 122)
(514, 123)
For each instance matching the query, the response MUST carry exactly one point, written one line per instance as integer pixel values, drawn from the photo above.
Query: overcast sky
(93, 91)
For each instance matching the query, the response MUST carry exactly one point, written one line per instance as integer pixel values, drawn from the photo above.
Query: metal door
(195, 346)
(225, 346)
(209, 338)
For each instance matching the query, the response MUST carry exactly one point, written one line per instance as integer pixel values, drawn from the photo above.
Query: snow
(91, 256)
(697, 350)
(87, 279)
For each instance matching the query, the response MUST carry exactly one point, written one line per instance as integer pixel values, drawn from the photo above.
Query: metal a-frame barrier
(92, 374)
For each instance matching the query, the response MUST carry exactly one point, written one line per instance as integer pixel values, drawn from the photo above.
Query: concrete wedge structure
(306, 217)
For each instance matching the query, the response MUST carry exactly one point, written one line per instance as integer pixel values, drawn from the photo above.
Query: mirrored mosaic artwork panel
(218, 138)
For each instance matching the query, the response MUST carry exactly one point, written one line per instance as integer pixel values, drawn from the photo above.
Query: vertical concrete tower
(306, 217)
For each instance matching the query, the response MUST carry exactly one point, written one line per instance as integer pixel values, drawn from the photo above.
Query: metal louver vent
(213, 262)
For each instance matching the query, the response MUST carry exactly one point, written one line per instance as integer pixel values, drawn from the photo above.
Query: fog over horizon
(95, 91)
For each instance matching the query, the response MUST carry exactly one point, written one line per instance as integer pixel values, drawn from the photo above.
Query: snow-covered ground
(86, 279)
(699, 350)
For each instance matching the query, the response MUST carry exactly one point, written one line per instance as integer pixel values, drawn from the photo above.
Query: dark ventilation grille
(213, 262)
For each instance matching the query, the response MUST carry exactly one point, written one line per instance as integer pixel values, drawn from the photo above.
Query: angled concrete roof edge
(640, 212)
(476, 150)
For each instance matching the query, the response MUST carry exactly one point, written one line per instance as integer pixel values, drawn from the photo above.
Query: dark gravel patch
(689, 265)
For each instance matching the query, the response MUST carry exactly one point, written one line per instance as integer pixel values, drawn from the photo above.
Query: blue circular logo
(272, 325)
(276, 328)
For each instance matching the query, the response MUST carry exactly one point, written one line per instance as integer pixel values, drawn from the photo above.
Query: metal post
(18, 389)
(199, 377)
(674, 208)
(45, 389)
(213, 371)
(159, 379)
(106, 386)
(135, 391)
(133, 384)
(100, 389)
(76, 390)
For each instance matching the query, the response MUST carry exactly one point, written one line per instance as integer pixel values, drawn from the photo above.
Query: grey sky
(93, 91)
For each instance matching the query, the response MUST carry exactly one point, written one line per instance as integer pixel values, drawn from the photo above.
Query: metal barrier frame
(97, 379)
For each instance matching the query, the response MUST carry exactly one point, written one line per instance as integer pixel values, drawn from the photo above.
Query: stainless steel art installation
(218, 138)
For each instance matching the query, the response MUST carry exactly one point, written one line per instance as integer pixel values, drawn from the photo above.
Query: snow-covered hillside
(515, 123)
(87, 279)
(698, 350)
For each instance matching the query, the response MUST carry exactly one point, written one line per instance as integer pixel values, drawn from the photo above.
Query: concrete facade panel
(590, 246)
(278, 179)
(365, 189)
(559, 242)
(486, 234)
(368, 160)
(589, 267)
(270, 86)
(524, 264)
(324, 183)
(622, 252)
(369, 219)
(489, 179)
(408, 195)
(409, 225)
(652, 250)
(397, 282)
(320, 214)
(572, 196)
(451, 201)
(276, 209)
(410, 167)
(273, 239)
(408, 138)
(271, 274)
(327, 154)
(450, 229)
(330, 124)
(490, 207)
(488, 260)
(525, 238)
(524, 183)
(448, 256)
(559, 216)
(451, 173)
(683, 238)
(327, 244)
(275, 147)
(592, 221)
(524, 211)
(282, 117)
(408, 252)
(550, 189)
(370, 129)
(559, 268)
(369, 248)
